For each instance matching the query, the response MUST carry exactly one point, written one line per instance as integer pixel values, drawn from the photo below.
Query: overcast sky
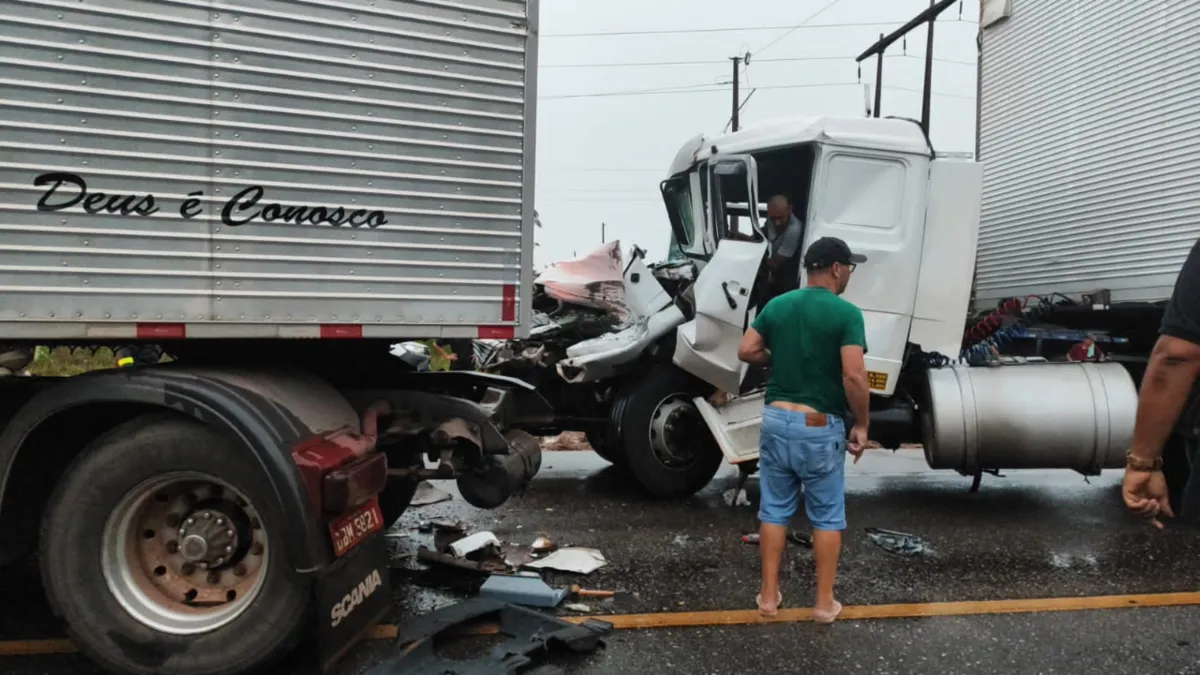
(600, 155)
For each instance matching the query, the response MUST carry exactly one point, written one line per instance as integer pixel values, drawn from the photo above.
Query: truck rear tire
(161, 555)
(609, 451)
(668, 447)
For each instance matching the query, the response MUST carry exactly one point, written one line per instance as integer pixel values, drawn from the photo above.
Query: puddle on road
(898, 543)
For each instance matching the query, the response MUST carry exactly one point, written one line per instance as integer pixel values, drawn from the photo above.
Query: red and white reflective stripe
(503, 329)
(508, 303)
(214, 331)
(160, 331)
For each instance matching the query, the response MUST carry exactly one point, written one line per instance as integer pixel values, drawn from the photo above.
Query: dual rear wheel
(159, 553)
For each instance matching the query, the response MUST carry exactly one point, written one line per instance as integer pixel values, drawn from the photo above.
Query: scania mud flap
(354, 595)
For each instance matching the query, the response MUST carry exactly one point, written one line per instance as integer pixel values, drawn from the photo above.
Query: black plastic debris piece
(899, 543)
(533, 635)
(800, 539)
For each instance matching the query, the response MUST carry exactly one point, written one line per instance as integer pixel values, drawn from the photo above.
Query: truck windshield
(677, 196)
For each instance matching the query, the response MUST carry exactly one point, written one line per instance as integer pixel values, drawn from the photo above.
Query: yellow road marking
(739, 617)
(35, 647)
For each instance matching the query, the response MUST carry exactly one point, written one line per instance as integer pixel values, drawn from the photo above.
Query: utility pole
(603, 237)
(737, 63)
(879, 81)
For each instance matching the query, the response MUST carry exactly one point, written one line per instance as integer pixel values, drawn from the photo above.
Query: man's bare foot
(769, 608)
(827, 614)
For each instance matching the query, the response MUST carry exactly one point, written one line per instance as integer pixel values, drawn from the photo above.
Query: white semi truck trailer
(274, 192)
(1074, 217)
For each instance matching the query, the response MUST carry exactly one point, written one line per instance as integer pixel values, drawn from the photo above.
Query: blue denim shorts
(795, 457)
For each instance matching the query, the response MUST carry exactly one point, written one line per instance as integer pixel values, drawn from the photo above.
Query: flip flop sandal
(758, 599)
(830, 617)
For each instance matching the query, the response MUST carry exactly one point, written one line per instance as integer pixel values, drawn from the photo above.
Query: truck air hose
(990, 332)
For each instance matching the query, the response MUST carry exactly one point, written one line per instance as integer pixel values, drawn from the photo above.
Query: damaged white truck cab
(874, 183)
(670, 396)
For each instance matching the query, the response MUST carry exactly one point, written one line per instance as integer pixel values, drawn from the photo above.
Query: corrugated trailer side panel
(1091, 147)
(266, 168)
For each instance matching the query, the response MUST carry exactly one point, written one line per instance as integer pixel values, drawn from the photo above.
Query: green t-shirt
(805, 330)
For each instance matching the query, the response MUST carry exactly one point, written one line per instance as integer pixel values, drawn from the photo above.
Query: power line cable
(790, 59)
(797, 27)
(696, 89)
(687, 31)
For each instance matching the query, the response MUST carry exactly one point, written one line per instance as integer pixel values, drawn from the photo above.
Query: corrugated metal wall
(416, 111)
(1090, 140)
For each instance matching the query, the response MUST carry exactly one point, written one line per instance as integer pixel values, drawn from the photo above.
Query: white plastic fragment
(577, 560)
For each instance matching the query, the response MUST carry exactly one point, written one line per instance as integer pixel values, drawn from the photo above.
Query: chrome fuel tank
(1030, 416)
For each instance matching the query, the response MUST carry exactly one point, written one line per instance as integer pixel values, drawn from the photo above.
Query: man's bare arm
(854, 379)
(753, 349)
(1174, 366)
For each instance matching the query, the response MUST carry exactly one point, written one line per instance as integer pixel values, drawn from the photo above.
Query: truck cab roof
(894, 134)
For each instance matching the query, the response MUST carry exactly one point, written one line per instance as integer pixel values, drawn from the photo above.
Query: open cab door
(707, 345)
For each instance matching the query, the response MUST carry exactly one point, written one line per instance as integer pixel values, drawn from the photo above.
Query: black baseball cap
(826, 251)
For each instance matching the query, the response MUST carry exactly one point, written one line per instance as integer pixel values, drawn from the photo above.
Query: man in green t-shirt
(814, 342)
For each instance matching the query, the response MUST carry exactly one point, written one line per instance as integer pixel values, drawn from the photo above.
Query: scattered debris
(578, 607)
(516, 555)
(543, 544)
(474, 543)
(577, 560)
(432, 557)
(567, 440)
(680, 540)
(739, 500)
(899, 543)
(534, 635)
(804, 540)
(522, 590)
(793, 536)
(590, 593)
(427, 494)
(442, 526)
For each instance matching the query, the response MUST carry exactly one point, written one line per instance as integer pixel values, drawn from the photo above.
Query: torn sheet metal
(534, 635)
(475, 542)
(595, 280)
(427, 494)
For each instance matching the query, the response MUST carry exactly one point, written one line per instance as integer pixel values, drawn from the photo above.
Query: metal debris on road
(487, 566)
(804, 540)
(475, 543)
(577, 560)
(797, 538)
(442, 526)
(899, 543)
(427, 494)
(534, 635)
(543, 544)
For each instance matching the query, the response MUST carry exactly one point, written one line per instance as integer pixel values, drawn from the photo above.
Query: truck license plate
(350, 530)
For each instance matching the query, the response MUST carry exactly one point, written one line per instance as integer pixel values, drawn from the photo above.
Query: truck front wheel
(159, 553)
(668, 448)
(607, 450)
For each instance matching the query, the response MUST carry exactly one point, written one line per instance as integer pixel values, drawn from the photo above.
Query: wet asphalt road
(1031, 534)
